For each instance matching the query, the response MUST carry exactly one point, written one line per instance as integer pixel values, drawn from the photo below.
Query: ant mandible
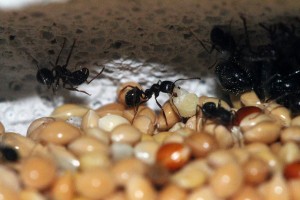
(60, 73)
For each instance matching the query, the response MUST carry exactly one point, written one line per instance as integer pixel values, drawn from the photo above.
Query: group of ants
(271, 70)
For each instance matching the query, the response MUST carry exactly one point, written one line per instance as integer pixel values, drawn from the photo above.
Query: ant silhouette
(60, 73)
(135, 96)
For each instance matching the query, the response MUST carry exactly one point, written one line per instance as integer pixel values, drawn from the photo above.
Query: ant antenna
(57, 59)
(88, 82)
(184, 79)
(69, 56)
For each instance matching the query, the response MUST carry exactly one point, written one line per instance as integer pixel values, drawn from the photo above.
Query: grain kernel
(125, 133)
(109, 122)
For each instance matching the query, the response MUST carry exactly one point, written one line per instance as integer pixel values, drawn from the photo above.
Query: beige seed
(64, 159)
(265, 132)
(289, 153)
(37, 125)
(171, 117)
(275, 189)
(220, 157)
(98, 134)
(146, 137)
(227, 180)
(9, 178)
(195, 122)
(172, 192)
(201, 144)
(119, 195)
(290, 134)
(294, 185)
(175, 138)
(111, 108)
(253, 119)
(161, 136)
(86, 144)
(59, 132)
(37, 172)
(189, 177)
(139, 188)
(125, 133)
(31, 194)
(66, 111)
(120, 151)
(296, 121)
(203, 193)
(90, 120)
(94, 160)
(146, 151)
(63, 188)
(95, 183)
(7, 193)
(124, 169)
(279, 113)
(110, 121)
(131, 113)
(250, 99)
(247, 193)
(255, 171)
(143, 124)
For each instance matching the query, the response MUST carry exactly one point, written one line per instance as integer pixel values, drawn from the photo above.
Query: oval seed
(95, 183)
(164, 123)
(146, 151)
(290, 134)
(66, 111)
(143, 124)
(173, 155)
(201, 144)
(109, 122)
(227, 180)
(59, 132)
(86, 144)
(34, 128)
(256, 171)
(63, 188)
(139, 188)
(111, 108)
(38, 172)
(90, 120)
(125, 133)
(250, 99)
(172, 192)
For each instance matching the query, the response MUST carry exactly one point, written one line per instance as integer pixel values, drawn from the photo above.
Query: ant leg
(75, 89)
(88, 82)
(184, 79)
(57, 59)
(246, 33)
(162, 111)
(199, 40)
(69, 56)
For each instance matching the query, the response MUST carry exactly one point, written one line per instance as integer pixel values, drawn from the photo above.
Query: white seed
(185, 102)
(109, 122)
(146, 151)
(90, 120)
(121, 151)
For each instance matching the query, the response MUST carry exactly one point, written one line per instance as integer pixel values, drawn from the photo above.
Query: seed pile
(120, 152)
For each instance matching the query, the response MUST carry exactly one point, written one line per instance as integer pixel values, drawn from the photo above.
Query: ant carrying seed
(136, 96)
(60, 74)
(8, 154)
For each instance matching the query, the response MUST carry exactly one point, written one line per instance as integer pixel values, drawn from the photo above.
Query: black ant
(9, 154)
(58, 73)
(217, 113)
(135, 96)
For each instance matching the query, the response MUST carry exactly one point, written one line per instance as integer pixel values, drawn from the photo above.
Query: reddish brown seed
(173, 155)
(243, 112)
(292, 170)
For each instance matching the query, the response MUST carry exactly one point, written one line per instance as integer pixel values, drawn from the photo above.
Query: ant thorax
(184, 101)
